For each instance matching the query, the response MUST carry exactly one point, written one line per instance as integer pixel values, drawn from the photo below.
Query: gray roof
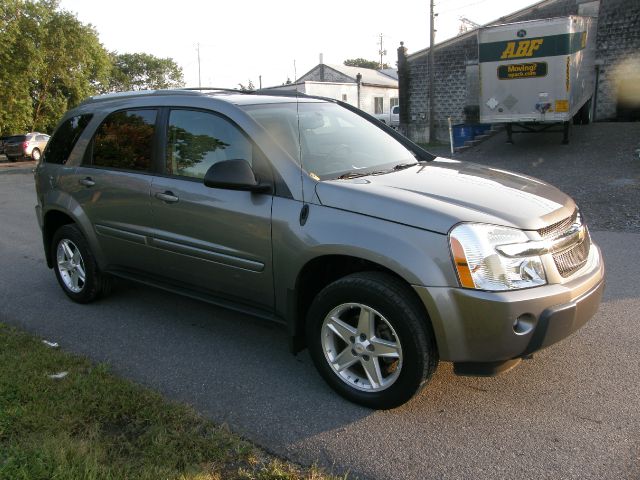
(369, 75)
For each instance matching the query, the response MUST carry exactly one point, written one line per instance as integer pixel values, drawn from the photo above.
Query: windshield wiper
(402, 166)
(358, 173)
(353, 174)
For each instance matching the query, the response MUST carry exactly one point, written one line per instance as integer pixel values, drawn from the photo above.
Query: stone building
(456, 67)
(374, 91)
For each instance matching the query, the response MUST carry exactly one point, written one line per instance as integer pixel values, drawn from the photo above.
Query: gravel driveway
(600, 168)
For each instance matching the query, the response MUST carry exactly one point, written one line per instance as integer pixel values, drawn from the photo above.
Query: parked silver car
(375, 255)
(30, 145)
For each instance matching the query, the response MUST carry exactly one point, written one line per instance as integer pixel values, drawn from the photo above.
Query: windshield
(332, 141)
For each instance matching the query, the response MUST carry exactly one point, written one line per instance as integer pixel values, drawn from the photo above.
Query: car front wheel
(75, 266)
(370, 339)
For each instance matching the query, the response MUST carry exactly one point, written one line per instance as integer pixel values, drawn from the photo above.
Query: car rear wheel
(370, 339)
(35, 154)
(75, 266)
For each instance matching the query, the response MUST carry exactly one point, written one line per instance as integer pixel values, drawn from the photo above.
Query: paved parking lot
(571, 412)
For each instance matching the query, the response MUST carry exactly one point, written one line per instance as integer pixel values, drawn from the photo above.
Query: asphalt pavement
(573, 411)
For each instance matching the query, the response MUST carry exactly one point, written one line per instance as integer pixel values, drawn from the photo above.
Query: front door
(211, 239)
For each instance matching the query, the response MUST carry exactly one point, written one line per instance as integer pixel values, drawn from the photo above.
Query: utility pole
(381, 52)
(199, 80)
(432, 35)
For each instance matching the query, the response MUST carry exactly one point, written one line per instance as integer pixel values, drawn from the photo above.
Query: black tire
(35, 154)
(577, 118)
(95, 284)
(399, 306)
(584, 115)
(587, 113)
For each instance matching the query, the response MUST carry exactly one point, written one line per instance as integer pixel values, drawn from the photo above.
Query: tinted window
(64, 139)
(125, 140)
(197, 140)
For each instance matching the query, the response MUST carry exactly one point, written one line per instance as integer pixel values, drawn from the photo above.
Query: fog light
(524, 324)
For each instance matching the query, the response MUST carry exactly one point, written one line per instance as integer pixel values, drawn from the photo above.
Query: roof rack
(218, 89)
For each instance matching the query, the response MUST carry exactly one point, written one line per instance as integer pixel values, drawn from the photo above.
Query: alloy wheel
(361, 347)
(71, 265)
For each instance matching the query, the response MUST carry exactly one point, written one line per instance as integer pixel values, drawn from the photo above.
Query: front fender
(418, 256)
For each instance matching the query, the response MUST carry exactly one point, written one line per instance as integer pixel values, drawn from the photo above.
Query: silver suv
(378, 257)
(30, 145)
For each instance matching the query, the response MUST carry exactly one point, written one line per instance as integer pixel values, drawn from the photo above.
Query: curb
(9, 171)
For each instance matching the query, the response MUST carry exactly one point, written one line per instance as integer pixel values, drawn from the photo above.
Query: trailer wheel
(584, 115)
(587, 114)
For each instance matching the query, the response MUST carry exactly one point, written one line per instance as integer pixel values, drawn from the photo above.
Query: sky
(277, 39)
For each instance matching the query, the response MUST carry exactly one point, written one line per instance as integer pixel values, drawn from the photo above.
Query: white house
(370, 90)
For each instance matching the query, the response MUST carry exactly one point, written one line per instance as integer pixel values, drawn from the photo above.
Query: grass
(94, 425)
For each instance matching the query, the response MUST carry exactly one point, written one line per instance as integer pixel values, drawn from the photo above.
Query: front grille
(573, 259)
(558, 228)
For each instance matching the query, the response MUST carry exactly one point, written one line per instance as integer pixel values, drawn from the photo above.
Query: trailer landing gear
(536, 128)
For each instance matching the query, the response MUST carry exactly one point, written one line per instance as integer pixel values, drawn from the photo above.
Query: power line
(463, 6)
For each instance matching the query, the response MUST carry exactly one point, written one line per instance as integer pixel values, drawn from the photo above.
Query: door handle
(167, 197)
(87, 182)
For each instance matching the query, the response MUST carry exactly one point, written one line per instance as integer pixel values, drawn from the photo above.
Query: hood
(441, 193)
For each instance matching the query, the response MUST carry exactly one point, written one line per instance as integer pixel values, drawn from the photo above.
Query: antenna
(199, 80)
(466, 25)
(295, 74)
(381, 52)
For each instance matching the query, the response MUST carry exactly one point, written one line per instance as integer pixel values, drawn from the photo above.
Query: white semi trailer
(537, 74)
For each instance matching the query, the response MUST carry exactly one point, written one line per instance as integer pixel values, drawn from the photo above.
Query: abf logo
(521, 48)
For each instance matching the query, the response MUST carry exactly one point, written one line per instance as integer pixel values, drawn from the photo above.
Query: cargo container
(538, 74)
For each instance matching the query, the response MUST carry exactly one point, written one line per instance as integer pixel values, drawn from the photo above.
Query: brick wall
(618, 38)
(618, 48)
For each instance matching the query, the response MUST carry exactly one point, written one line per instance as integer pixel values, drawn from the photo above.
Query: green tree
(250, 87)
(49, 62)
(142, 71)
(363, 63)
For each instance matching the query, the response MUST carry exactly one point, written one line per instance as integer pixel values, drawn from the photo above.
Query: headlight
(479, 265)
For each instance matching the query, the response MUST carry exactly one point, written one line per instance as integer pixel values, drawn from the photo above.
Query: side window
(196, 140)
(125, 140)
(64, 139)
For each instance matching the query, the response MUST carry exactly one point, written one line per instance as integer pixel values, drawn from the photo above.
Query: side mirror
(234, 175)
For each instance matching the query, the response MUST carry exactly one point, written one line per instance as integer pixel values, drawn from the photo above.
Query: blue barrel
(462, 133)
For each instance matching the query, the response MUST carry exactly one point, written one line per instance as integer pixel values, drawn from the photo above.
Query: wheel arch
(55, 218)
(319, 272)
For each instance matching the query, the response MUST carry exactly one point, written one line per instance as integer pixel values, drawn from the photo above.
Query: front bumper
(473, 326)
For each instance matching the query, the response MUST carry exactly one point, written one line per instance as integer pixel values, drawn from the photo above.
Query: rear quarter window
(64, 139)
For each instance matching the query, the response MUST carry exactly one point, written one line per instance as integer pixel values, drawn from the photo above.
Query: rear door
(211, 239)
(112, 186)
